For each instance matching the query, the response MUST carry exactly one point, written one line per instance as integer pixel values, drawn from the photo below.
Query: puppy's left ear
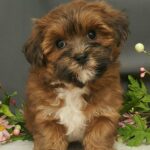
(32, 48)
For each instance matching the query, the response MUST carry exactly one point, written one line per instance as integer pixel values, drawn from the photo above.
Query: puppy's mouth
(82, 68)
(66, 75)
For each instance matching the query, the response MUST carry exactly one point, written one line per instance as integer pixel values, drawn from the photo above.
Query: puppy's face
(79, 40)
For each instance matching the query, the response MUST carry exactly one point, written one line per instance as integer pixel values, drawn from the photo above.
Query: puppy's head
(79, 39)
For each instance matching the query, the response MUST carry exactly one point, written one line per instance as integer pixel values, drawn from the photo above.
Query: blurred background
(16, 25)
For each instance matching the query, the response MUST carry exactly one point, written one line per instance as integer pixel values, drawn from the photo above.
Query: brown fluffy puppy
(73, 90)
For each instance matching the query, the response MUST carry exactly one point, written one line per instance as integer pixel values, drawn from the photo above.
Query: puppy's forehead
(75, 19)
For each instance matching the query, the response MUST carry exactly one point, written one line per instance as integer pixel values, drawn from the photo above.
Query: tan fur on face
(67, 101)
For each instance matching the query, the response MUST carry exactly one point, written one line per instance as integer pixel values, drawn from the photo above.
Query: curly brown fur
(73, 90)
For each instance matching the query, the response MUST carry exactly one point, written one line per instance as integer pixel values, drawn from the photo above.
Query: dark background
(15, 27)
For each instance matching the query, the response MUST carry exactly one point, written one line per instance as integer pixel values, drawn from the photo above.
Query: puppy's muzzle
(81, 58)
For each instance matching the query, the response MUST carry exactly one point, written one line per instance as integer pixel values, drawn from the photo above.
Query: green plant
(137, 97)
(135, 125)
(12, 123)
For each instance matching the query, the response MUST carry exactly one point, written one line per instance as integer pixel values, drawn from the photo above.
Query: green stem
(144, 113)
(148, 72)
(148, 53)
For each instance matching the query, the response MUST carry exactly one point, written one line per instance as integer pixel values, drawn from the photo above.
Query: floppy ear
(114, 19)
(120, 25)
(32, 48)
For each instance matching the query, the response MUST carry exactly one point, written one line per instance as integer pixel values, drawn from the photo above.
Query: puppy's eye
(60, 43)
(91, 35)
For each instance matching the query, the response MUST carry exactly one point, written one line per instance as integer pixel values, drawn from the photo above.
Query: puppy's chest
(71, 114)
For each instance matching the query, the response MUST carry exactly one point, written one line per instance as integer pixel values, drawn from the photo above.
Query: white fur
(26, 145)
(70, 114)
(86, 75)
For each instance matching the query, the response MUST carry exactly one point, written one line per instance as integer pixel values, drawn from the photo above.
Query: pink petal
(121, 124)
(128, 120)
(142, 69)
(9, 126)
(6, 134)
(5, 122)
(142, 75)
(13, 101)
(2, 138)
(126, 115)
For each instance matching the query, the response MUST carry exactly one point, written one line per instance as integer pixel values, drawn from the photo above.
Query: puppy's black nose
(81, 58)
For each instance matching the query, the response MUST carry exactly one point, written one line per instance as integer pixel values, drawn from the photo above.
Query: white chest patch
(70, 114)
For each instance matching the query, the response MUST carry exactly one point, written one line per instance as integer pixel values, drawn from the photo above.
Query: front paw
(100, 134)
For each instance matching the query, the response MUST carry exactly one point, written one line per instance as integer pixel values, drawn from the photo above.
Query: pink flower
(13, 102)
(142, 72)
(142, 69)
(17, 130)
(142, 75)
(5, 123)
(4, 134)
(126, 119)
(121, 124)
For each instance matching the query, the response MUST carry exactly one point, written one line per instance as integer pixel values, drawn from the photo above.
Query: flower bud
(142, 69)
(13, 102)
(139, 47)
(18, 127)
(142, 75)
(16, 132)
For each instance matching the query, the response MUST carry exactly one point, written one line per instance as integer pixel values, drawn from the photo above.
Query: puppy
(73, 90)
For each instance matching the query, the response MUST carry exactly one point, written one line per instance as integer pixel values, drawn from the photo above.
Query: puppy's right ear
(32, 48)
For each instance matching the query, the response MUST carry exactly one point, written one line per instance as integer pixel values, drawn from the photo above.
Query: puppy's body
(73, 91)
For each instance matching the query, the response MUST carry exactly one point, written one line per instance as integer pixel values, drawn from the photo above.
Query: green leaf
(6, 111)
(143, 87)
(137, 139)
(135, 86)
(13, 94)
(146, 99)
(137, 97)
(143, 107)
(136, 134)
(22, 137)
(148, 136)
(19, 115)
(7, 97)
(140, 122)
(126, 132)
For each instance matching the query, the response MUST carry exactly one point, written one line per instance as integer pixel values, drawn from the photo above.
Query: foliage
(12, 115)
(137, 104)
(137, 97)
(136, 134)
